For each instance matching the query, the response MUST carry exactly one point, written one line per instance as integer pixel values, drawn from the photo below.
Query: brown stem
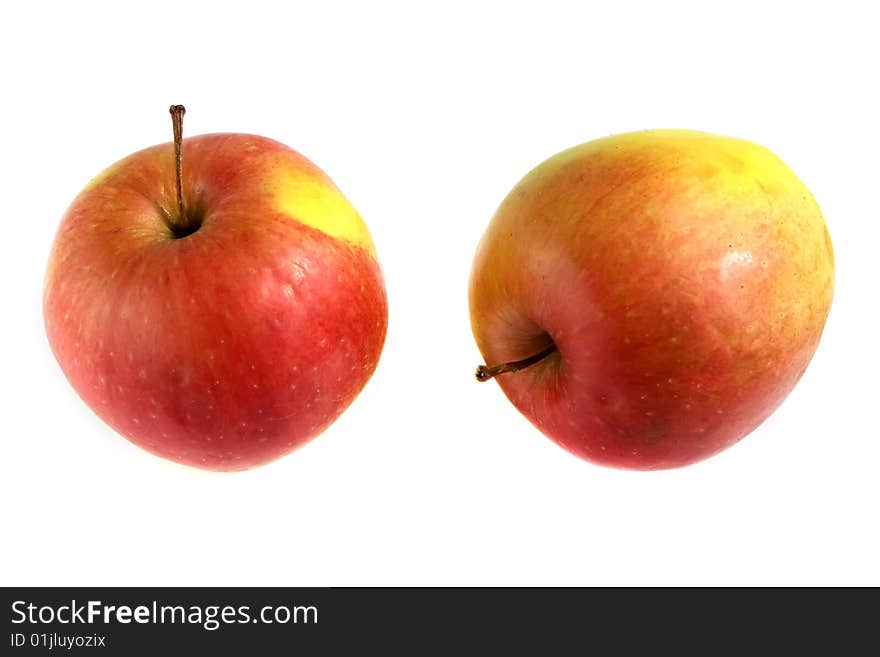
(486, 372)
(177, 112)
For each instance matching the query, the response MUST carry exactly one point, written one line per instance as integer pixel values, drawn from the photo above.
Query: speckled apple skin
(685, 279)
(234, 345)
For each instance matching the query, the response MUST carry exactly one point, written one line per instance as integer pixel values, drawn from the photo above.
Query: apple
(217, 301)
(648, 299)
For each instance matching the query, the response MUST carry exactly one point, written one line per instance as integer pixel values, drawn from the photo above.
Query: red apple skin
(229, 347)
(685, 279)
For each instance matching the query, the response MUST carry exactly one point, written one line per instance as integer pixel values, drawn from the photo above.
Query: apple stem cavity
(486, 372)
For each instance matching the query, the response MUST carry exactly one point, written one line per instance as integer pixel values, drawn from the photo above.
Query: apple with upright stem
(648, 299)
(217, 301)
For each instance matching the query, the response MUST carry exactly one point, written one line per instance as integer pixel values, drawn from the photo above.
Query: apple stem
(177, 112)
(486, 372)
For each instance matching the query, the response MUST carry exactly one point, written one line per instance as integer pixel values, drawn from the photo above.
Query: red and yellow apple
(648, 299)
(227, 332)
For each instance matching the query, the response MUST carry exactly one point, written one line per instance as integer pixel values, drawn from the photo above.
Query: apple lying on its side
(648, 299)
(216, 301)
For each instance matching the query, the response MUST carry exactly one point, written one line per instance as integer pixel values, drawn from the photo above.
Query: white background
(425, 118)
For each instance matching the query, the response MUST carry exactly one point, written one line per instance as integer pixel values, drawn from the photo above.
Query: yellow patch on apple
(318, 204)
